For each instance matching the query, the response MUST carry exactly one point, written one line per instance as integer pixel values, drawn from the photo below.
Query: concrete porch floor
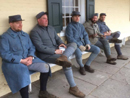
(108, 81)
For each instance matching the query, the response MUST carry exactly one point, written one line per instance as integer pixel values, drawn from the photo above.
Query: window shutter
(90, 6)
(55, 14)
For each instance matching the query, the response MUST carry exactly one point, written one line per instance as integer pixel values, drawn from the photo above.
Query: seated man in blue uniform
(48, 44)
(112, 37)
(75, 32)
(18, 57)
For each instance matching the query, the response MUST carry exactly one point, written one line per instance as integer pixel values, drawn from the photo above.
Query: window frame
(64, 7)
(83, 12)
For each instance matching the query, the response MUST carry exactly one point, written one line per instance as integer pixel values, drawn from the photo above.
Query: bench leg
(30, 86)
(121, 44)
(102, 52)
(124, 41)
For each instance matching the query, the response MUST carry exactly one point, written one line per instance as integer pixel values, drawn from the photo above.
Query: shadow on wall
(4, 25)
(5, 22)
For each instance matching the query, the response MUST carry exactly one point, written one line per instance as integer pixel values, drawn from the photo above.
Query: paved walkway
(108, 81)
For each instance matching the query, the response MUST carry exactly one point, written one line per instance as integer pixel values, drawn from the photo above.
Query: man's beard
(18, 30)
(94, 21)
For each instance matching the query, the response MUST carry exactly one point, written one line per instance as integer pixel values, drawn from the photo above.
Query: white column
(82, 11)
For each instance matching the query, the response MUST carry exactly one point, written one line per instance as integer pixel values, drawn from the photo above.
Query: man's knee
(74, 45)
(96, 50)
(44, 67)
(118, 32)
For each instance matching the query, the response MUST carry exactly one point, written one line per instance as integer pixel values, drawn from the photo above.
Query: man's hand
(28, 61)
(62, 45)
(58, 51)
(103, 36)
(107, 33)
(25, 62)
(88, 47)
(30, 58)
(94, 35)
(82, 48)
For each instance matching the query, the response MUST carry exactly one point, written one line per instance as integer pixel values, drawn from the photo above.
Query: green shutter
(90, 8)
(55, 14)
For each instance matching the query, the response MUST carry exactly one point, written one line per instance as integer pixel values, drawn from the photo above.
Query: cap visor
(76, 15)
(16, 20)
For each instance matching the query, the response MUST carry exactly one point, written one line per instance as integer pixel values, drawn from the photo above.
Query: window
(67, 7)
(90, 8)
(59, 12)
